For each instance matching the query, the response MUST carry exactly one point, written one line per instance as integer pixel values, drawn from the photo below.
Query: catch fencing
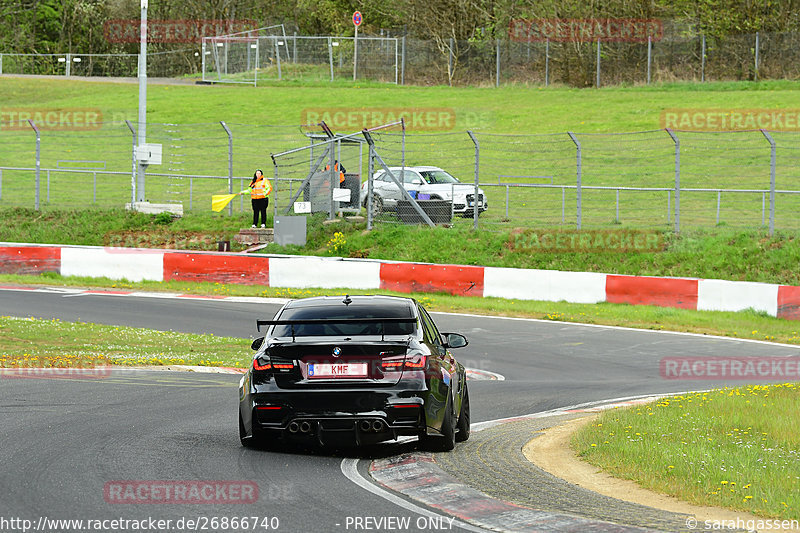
(679, 54)
(661, 179)
(270, 54)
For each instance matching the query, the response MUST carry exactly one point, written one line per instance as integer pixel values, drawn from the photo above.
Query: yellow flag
(219, 201)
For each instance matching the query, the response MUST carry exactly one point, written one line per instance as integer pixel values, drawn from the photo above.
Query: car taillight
(263, 363)
(260, 363)
(412, 361)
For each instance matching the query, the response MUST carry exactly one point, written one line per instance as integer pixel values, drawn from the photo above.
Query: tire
(248, 442)
(463, 425)
(447, 440)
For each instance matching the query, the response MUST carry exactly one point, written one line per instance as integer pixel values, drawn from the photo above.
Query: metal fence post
(547, 62)
(497, 64)
(649, 56)
(278, 57)
(756, 59)
(230, 163)
(597, 74)
(370, 171)
(67, 70)
(773, 155)
(402, 62)
(703, 59)
(677, 179)
(38, 162)
(133, 163)
(330, 56)
(294, 48)
(579, 171)
(274, 193)
(333, 176)
(475, 198)
(1, 63)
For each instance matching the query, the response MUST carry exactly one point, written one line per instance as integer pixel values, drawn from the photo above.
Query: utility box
(290, 230)
(149, 154)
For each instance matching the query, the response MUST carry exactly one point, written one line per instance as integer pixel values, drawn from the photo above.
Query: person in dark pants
(260, 188)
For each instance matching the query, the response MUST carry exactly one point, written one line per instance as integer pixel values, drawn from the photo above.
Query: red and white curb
(416, 476)
(135, 264)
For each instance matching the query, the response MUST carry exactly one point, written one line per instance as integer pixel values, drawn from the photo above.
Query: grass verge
(712, 254)
(734, 448)
(36, 343)
(744, 325)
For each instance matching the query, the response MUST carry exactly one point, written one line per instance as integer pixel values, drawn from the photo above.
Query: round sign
(357, 18)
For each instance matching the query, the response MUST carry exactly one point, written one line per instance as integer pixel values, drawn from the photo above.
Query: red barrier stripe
(641, 290)
(33, 260)
(220, 268)
(413, 277)
(789, 302)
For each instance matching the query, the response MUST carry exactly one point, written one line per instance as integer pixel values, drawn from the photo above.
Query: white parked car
(422, 182)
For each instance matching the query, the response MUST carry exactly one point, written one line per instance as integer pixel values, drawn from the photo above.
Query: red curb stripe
(789, 302)
(641, 290)
(107, 292)
(33, 260)
(415, 277)
(236, 269)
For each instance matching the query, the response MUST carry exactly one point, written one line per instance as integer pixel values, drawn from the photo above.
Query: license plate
(338, 370)
(472, 204)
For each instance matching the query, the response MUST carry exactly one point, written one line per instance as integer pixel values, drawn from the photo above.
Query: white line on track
(349, 468)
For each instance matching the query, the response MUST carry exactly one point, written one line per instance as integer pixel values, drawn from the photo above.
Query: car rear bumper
(352, 417)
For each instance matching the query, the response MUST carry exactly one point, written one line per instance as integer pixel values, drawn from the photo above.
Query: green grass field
(735, 448)
(185, 120)
(36, 343)
(521, 131)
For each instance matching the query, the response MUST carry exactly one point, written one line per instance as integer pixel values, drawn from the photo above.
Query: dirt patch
(166, 239)
(552, 453)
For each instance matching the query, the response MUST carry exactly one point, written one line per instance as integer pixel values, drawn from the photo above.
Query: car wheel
(463, 426)
(447, 440)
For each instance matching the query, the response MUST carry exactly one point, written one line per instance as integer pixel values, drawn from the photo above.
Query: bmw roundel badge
(337, 351)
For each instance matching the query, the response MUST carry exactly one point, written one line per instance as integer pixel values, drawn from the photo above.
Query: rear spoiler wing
(292, 323)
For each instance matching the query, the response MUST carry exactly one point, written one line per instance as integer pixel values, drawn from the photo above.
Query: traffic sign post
(357, 19)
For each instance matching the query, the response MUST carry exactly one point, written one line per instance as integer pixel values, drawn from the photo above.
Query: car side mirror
(416, 181)
(455, 340)
(257, 343)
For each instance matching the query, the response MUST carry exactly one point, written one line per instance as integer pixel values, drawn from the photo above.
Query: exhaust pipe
(365, 425)
(377, 426)
(294, 427)
(305, 427)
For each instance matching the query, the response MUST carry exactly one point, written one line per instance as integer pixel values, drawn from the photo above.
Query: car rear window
(337, 311)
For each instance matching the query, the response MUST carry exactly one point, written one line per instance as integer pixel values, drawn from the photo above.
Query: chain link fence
(653, 179)
(272, 54)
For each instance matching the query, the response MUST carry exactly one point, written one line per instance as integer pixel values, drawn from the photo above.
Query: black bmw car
(354, 370)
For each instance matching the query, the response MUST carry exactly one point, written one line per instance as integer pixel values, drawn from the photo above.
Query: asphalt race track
(63, 441)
